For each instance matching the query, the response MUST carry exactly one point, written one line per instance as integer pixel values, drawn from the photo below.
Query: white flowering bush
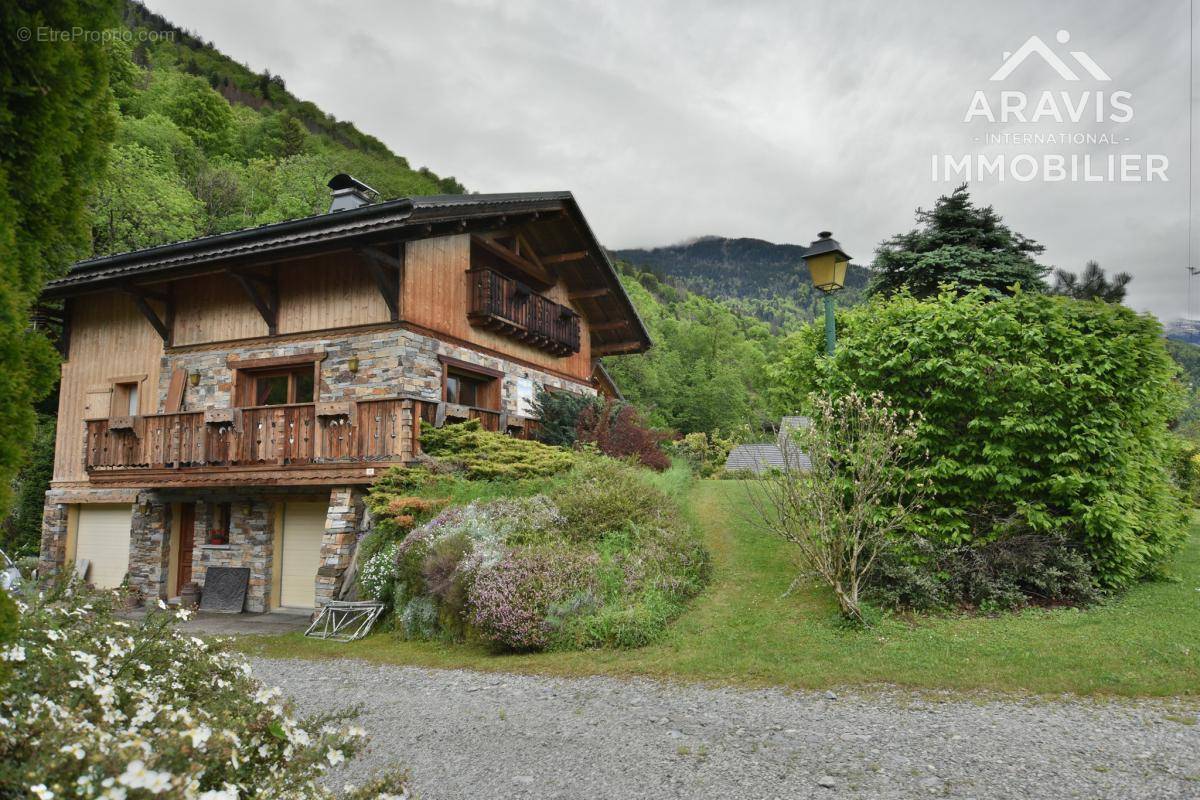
(92, 706)
(377, 577)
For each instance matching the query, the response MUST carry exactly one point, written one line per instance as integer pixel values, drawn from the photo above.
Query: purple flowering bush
(511, 600)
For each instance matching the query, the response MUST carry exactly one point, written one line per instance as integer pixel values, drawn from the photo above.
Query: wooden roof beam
(163, 323)
(516, 260)
(388, 272)
(616, 348)
(264, 294)
(609, 326)
(586, 294)
(562, 258)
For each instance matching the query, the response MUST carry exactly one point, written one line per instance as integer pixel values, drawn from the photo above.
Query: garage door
(103, 539)
(303, 527)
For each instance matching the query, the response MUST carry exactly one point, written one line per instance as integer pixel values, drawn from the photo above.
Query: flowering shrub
(96, 707)
(511, 599)
(605, 560)
(377, 577)
(605, 495)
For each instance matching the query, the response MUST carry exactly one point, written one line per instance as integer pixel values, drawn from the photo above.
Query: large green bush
(599, 558)
(1040, 414)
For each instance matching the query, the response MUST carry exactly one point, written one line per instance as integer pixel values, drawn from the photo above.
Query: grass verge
(744, 630)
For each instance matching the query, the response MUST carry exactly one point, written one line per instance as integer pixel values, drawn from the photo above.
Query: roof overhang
(552, 221)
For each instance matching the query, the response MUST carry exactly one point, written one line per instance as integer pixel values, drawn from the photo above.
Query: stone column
(149, 537)
(252, 532)
(250, 545)
(343, 522)
(54, 536)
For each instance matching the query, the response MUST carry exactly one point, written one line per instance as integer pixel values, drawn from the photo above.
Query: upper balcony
(280, 444)
(509, 307)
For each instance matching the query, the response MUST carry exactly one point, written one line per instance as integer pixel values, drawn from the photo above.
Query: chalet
(225, 401)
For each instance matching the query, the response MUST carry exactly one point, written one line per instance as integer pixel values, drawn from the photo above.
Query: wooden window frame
(124, 395)
(492, 380)
(118, 402)
(253, 377)
(247, 371)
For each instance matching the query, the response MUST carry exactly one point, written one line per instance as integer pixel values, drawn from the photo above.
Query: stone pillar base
(343, 524)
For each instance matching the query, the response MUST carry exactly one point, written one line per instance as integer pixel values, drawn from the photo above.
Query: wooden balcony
(283, 444)
(511, 308)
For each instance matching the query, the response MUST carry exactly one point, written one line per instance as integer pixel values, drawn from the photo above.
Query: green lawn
(744, 630)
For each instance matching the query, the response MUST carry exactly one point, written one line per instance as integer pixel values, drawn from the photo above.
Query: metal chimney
(349, 192)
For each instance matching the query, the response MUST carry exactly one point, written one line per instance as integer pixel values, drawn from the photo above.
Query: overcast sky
(770, 120)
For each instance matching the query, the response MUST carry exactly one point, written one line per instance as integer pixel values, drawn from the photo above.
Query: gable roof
(553, 221)
(759, 458)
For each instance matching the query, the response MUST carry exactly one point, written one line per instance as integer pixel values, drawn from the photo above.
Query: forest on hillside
(202, 145)
(753, 277)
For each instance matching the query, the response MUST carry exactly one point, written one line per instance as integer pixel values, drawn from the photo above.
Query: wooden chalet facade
(225, 400)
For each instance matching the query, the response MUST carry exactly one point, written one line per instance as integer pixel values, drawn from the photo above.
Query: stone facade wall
(392, 361)
(149, 551)
(251, 544)
(54, 536)
(343, 526)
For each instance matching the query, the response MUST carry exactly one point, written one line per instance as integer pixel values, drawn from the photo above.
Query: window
(218, 523)
(467, 384)
(464, 389)
(276, 381)
(125, 399)
(279, 387)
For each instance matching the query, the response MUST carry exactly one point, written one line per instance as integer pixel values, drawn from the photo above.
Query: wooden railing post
(408, 423)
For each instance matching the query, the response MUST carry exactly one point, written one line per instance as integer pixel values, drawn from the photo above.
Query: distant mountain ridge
(760, 278)
(1183, 330)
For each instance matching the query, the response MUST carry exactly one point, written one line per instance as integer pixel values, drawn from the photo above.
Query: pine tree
(1092, 284)
(961, 244)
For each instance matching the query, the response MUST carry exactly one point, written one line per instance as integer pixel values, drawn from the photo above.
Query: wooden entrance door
(187, 540)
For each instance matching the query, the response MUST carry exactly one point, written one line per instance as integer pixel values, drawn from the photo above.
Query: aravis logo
(1035, 46)
(1050, 134)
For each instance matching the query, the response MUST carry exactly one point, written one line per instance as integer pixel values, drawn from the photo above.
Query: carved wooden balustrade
(511, 308)
(281, 436)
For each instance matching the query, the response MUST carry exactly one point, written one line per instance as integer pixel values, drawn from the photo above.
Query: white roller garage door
(303, 527)
(103, 539)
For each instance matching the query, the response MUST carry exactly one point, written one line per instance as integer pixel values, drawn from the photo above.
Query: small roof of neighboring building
(760, 458)
(766, 456)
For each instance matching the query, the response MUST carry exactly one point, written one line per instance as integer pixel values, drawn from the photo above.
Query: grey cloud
(774, 120)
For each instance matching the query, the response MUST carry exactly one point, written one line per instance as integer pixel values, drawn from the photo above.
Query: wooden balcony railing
(509, 307)
(281, 437)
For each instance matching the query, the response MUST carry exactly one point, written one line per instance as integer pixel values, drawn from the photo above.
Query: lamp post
(827, 264)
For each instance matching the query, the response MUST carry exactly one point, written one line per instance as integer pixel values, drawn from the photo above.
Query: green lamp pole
(827, 264)
(830, 327)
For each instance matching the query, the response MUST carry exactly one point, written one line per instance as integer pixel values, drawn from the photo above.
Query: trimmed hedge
(1040, 414)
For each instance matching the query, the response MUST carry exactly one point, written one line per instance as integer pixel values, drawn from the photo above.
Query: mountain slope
(760, 278)
(204, 145)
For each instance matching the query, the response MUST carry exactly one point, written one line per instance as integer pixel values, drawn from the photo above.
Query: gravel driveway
(478, 735)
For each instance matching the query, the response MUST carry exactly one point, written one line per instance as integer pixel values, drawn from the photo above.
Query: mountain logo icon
(1035, 45)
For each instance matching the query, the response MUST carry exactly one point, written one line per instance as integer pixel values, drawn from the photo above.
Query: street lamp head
(826, 262)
